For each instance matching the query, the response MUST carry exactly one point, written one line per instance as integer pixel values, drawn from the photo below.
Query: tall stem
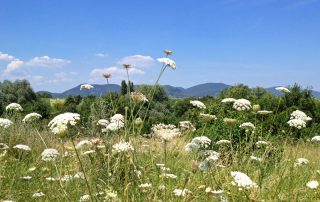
(84, 173)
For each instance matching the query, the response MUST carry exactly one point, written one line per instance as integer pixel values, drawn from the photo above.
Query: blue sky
(59, 44)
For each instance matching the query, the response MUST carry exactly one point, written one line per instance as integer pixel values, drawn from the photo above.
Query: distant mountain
(201, 90)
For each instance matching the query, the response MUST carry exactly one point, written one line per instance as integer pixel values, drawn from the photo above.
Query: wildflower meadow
(246, 144)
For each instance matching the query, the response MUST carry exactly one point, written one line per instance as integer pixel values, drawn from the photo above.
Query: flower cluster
(5, 123)
(301, 161)
(297, 123)
(22, 147)
(242, 180)
(29, 118)
(208, 117)
(247, 126)
(197, 143)
(138, 97)
(49, 155)
(86, 86)
(165, 132)
(198, 104)
(168, 62)
(59, 124)
(186, 126)
(300, 115)
(103, 122)
(122, 147)
(283, 89)
(228, 100)
(14, 107)
(242, 105)
(116, 123)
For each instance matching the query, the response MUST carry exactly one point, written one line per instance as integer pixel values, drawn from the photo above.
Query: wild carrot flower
(207, 117)
(14, 107)
(86, 86)
(297, 123)
(83, 143)
(5, 123)
(220, 142)
(38, 194)
(247, 125)
(168, 52)
(29, 118)
(186, 126)
(22, 147)
(138, 97)
(312, 184)
(181, 192)
(300, 115)
(197, 104)
(49, 155)
(301, 161)
(103, 122)
(168, 62)
(106, 75)
(261, 142)
(84, 198)
(283, 89)
(242, 105)
(165, 132)
(228, 100)
(126, 66)
(4, 146)
(122, 147)
(59, 124)
(315, 138)
(242, 180)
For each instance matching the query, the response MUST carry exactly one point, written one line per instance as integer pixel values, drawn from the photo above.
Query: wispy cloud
(137, 60)
(101, 55)
(46, 61)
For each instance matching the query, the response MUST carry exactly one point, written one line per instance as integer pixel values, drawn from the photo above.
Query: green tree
(124, 88)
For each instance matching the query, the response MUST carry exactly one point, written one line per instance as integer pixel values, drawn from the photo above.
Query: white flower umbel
(145, 186)
(84, 198)
(86, 86)
(247, 125)
(59, 124)
(138, 97)
(197, 143)
(186, 126)
(300, 115)
(103, 122)
(242, 180)
(181, 192)
(113, 126)
(315, 138)
(122, 147)
(4, 146)
(297, 123)
(14, 107)
(168, 62)
(242, 105)
(312, 184)
(228, 100)
(22, 147)
(5, 123)
(49, 155)
(283, 89)
(261, 142)
(220, 142)
(165, 132)
(208, 117)
(32, 117)
(301, 161)
(38, 194)
(83, 143)
(198, 104)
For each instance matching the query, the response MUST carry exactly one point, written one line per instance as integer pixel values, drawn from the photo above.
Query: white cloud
(6, 57)
(137, 61)
(101, 55)
(46, 61)
(13, 65)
